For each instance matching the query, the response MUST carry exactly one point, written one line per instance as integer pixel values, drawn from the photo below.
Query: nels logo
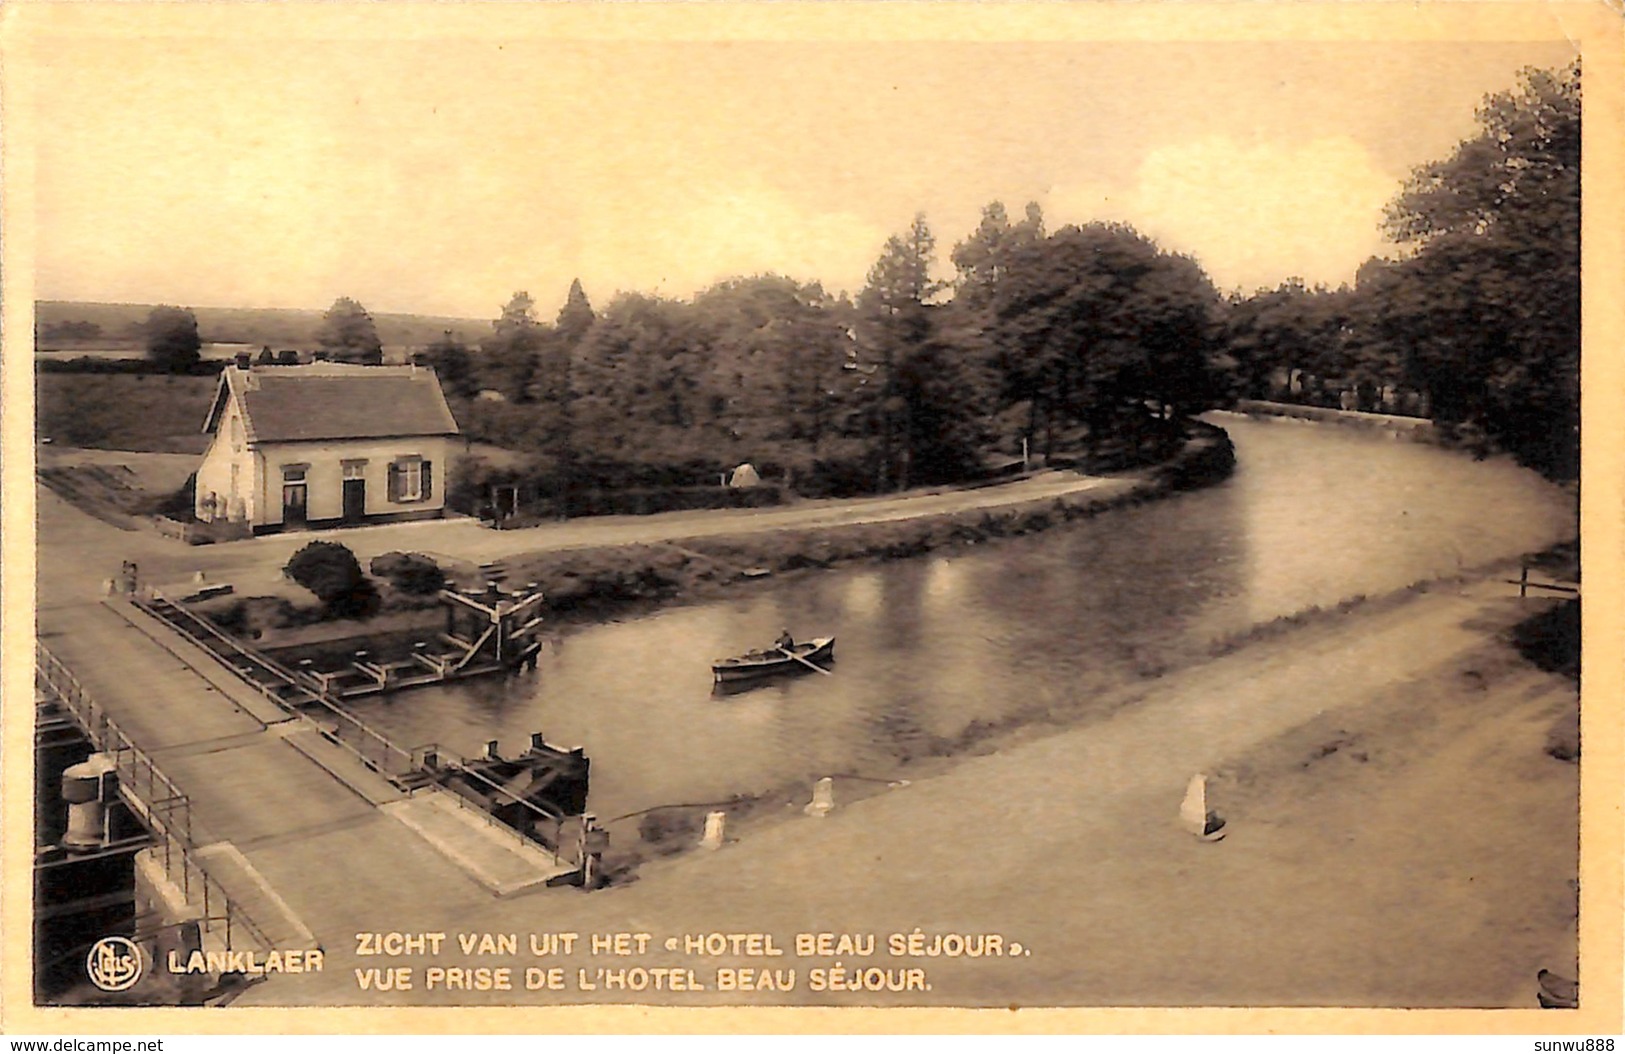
(114, 964)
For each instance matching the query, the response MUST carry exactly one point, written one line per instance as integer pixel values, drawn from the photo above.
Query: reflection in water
(944, 581)
(1014, 630)
(863, 592)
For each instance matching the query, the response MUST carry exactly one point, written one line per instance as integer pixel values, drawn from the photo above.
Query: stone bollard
(716, 826)
(591, 844)
(1195, 816)
(823, 799)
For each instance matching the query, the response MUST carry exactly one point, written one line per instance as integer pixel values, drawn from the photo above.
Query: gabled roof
(329, 400)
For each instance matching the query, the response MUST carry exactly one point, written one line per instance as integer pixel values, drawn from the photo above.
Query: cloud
(691, 231)
(1252, 214)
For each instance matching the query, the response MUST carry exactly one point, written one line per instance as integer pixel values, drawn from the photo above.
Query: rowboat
(774, 660)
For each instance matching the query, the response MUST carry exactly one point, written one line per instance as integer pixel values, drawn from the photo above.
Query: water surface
(931, 649)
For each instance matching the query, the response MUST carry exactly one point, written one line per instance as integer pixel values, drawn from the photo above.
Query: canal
(933, 651)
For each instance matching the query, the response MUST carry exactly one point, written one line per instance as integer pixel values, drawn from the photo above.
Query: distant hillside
(252, 325)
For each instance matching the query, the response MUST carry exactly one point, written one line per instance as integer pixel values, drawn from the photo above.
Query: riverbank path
(77, 552)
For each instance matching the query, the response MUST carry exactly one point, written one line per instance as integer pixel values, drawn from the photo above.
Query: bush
(645, 501)
(411, 573)
(332, 572)
(360, 602)
(1551, 639)
(844, 473)
(252, 616)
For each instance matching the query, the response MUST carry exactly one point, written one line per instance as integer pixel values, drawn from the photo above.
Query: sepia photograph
(909, 507)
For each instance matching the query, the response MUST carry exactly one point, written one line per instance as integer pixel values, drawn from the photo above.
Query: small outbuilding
(324, 444)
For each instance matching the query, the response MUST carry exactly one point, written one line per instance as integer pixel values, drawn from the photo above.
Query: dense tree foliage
(1496, 228)
(452, 364)
(172, 338)
(1096, 325)
(1479, 315)
(347, 334)
(511, 357)
(1093, 333)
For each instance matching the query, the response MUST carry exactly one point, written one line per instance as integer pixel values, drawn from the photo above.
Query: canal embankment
(1416, 429)
(596, 581)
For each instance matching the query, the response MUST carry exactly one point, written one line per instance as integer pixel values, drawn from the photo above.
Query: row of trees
(1481, 308)
(1090, 335)
(73, 329)
(346, 334)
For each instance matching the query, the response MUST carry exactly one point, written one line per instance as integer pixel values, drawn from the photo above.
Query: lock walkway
(272, 797)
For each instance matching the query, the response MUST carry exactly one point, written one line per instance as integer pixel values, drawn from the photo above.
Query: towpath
(1431, 871)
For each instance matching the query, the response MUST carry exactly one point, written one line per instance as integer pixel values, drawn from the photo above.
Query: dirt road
(78, 552)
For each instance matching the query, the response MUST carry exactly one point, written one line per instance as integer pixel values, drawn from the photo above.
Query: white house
(325, 444)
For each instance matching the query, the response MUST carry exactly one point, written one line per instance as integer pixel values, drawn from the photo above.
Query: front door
(293, 504)
(355, 500)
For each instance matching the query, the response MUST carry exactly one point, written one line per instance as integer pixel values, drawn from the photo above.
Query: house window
(295, 495)
(410, 479)
(355, 469)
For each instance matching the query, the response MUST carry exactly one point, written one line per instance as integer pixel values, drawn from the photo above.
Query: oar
(804, 662)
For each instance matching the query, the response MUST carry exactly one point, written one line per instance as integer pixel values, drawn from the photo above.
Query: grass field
(124, 412)
(277, 326)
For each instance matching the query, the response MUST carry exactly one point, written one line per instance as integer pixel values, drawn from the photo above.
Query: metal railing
(537, 818)
(166, 810)
(374, 749)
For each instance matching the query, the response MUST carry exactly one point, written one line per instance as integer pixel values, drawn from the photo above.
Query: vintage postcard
(621, 517)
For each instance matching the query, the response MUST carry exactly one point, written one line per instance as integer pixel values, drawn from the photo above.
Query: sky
(440, 175)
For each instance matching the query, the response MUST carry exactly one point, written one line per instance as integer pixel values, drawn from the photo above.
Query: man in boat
(785, 641)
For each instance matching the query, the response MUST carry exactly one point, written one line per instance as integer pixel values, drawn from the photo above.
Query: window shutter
(394, 482)
(428, 485)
